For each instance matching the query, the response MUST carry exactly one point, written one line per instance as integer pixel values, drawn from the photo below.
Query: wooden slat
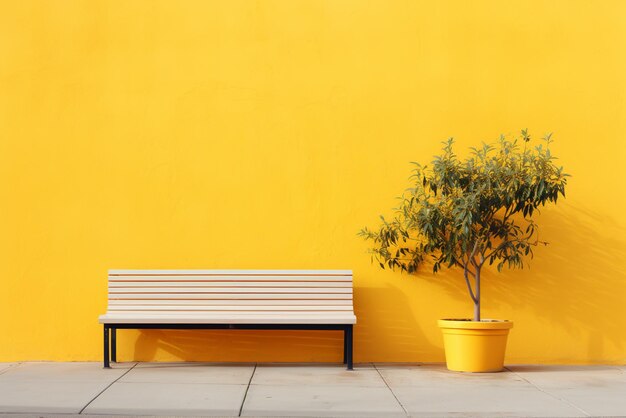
(233, 302)
(237, 290)
(305, 296)
(169, 318)
(249, 308)
(233, 272)
(164, 314)
(208, 278)
(233, 283)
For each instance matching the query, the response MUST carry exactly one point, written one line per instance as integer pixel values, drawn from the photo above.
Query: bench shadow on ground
(373, 334)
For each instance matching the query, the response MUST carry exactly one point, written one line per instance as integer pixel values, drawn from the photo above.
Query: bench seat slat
(300, 318)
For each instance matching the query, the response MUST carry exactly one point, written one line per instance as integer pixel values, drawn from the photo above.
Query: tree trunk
(477, 311)
(477, 294)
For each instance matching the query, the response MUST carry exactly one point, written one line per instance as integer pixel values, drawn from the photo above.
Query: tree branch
(473, 254)
(469, 286)
(466, 269)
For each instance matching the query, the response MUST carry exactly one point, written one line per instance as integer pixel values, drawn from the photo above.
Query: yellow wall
(241, 134)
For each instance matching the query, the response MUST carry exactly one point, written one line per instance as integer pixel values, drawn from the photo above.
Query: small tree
(469, 212)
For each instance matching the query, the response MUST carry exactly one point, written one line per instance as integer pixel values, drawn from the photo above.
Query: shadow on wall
(389, 331)
(396, 340)
(570, 296)
(582, 281)
(576, 285)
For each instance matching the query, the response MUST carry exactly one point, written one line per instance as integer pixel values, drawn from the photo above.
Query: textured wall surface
(241, 134)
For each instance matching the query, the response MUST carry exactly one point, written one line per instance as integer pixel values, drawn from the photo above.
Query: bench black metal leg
(114, 345)
(106, 347)
(348, 345)
(345, 346)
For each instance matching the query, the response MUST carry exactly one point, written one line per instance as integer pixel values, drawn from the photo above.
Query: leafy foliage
(469, 212)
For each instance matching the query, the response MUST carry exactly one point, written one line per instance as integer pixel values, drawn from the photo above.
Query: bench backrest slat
(238, 273)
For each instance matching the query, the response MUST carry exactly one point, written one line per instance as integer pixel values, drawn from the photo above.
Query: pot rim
(458, 323)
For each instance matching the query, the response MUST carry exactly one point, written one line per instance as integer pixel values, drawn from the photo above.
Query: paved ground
(377, 390)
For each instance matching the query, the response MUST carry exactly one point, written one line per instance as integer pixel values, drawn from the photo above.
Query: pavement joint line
(12, 366)
(243, 401)
(108, 386)
(565, 401)
(391, 390)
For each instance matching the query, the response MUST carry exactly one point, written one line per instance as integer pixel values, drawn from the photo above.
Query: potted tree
(470, 213)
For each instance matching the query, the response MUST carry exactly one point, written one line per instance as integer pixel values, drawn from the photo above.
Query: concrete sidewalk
(380, 390)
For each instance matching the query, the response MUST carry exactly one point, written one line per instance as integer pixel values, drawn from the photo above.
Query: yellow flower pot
(473, 346)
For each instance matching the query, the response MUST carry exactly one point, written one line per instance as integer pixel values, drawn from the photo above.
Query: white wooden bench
(229, 299)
